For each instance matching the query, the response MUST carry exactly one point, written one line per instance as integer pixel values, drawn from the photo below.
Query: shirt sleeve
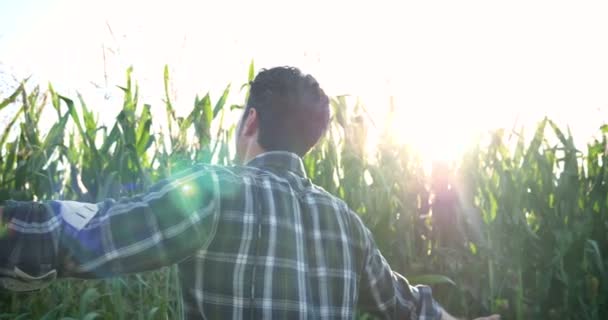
(387, 294)
(170, 222)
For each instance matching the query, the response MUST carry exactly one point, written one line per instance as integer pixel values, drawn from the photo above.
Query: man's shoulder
(221, 170)
(321, 195)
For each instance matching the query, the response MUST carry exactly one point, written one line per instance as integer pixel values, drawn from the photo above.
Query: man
(252, 241)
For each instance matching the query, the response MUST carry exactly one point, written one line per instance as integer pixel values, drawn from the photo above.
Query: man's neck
(253, 151)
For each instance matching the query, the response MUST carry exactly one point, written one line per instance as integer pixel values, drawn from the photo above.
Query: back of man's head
(293, 111)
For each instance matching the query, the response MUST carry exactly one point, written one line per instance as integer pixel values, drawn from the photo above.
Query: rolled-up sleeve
(29, 246)
(388, 295)
(170, 222)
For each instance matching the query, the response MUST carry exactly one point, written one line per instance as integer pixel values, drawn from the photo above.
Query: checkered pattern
(251, 242)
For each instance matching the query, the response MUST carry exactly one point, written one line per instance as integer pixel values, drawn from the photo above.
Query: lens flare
(188, 189)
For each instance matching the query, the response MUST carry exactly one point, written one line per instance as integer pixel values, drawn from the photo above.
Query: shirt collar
(279, 160)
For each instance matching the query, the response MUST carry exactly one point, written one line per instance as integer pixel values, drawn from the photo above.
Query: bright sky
(454, 67)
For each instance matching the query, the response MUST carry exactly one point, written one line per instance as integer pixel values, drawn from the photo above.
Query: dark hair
(293, 111)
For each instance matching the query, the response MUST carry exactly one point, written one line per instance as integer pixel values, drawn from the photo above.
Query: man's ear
(250, 125)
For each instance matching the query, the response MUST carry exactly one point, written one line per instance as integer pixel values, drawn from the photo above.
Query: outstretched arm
(65, 238)
(389, 295)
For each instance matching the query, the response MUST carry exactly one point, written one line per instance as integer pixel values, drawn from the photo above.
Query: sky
(453, 68)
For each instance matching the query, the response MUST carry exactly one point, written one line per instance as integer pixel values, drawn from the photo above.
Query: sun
(434, 136)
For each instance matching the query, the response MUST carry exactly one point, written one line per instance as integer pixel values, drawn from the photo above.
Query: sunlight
(436, 137)
(452, 78)
(444, 145)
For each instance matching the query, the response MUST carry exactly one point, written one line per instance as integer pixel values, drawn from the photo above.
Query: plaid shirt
(254, 241)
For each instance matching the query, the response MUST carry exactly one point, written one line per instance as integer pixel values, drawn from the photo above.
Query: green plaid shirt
(251, 242)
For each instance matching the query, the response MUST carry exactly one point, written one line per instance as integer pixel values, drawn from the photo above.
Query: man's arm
(389, 295)
(161, 227)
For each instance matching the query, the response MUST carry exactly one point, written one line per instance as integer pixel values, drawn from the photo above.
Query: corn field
(517, 226)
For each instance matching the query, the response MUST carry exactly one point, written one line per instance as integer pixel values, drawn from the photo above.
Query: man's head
(286, 111)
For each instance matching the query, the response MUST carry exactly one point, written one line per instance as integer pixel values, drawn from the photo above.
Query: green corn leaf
(144, 135)
(168, 105)
(55, 100)
(130, 97)
(536, 142)
(113, 137)
(55, 135)
(108, 185)
(90, 124)
(250, 78)
(251, 74)
(12, 98)
(89, 296)
(431, 279)
(53, 313)
(75, 117)
(220, 103)
(207, 112)
(86, 138)
(9, 126)
(519, 148)
(11, 158)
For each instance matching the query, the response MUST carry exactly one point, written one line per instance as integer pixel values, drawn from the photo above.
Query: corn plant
(517, 226)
